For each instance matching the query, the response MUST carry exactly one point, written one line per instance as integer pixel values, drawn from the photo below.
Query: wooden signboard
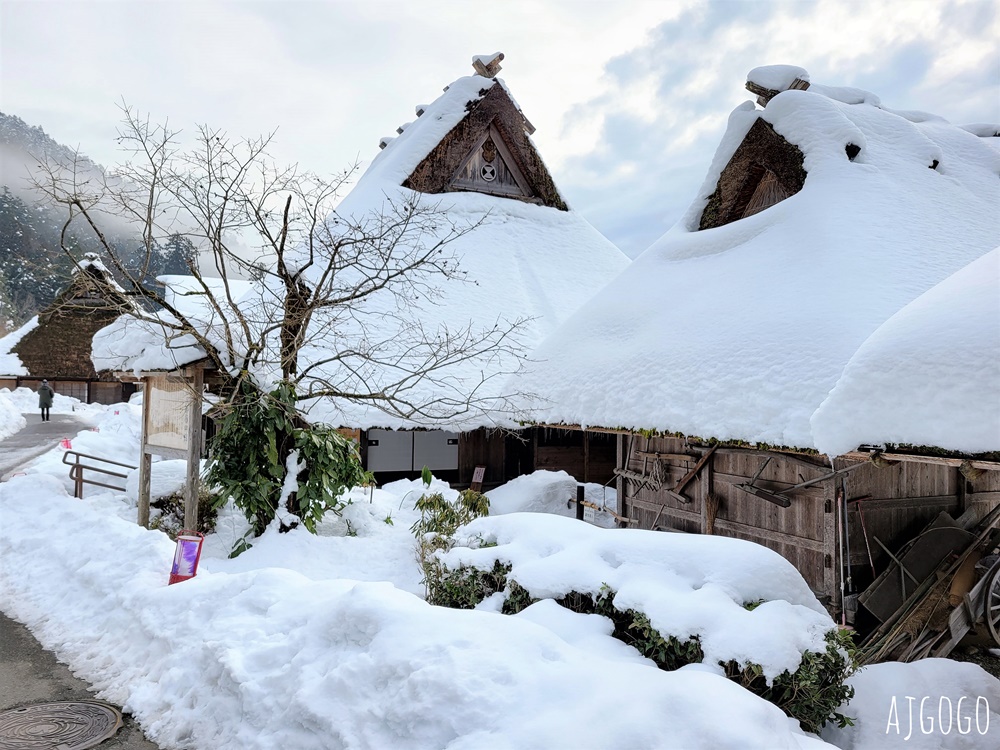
(477, 479)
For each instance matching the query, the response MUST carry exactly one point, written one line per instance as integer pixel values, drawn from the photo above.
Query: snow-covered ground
(326, 642)
(11, 419)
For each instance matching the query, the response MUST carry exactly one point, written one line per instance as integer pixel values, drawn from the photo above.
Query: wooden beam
(145, 460)
(903, 503)
(193, 451)
(694, 471)
(709, 501)
(687, 515)
(619, 481)
(686, 457)
(937, 460)
(813, 545)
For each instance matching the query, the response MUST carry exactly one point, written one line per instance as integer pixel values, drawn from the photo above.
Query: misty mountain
(34, 265)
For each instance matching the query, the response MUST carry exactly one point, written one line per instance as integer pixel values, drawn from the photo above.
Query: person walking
(45, 396)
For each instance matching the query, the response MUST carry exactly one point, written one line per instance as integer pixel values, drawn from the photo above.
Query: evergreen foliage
(439, 519)
(260, 438)
(811, 694)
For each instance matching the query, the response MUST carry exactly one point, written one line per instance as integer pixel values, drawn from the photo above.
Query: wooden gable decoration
(765, 170)
(488, 152)
(491, 168)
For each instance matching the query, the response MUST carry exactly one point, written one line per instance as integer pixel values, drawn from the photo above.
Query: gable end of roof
(436, 171)
(763, 155)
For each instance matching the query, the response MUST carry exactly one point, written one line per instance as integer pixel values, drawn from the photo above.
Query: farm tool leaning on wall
(942, 605)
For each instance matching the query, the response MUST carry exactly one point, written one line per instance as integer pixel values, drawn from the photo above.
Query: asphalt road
(29, 673)
(35, 439)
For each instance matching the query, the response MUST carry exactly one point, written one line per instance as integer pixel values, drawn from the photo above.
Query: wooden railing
(76, 471)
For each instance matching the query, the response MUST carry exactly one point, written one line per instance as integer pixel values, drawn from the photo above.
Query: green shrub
(811, 694)
(257, 433)
(462, 588)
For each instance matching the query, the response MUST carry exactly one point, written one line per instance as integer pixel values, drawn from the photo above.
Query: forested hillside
(34, 265)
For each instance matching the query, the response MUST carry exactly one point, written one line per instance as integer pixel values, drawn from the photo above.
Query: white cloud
(628, 98)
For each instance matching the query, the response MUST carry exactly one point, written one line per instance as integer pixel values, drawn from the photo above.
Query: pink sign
(186, 556)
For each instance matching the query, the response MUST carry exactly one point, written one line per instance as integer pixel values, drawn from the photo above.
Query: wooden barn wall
(799, 532)
(88, 391)
(896, 501)
(893, 504)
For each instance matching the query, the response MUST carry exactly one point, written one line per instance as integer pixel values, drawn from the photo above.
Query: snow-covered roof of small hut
(149, 344)
(524, 260)
(740, 331)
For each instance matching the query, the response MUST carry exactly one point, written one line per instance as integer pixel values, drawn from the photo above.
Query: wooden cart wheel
(991, 602)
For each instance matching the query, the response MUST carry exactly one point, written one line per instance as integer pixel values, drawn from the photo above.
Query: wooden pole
(579, 502)
(145, 466)
(193, 451)
(145, 460)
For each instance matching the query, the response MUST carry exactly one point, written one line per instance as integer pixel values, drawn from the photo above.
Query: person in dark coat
(45, 396)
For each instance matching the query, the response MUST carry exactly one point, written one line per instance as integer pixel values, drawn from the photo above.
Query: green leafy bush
(811, 694)
(463, 588)
(249, 459)
(814, 691)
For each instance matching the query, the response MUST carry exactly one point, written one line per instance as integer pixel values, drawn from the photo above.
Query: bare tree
(334, 313)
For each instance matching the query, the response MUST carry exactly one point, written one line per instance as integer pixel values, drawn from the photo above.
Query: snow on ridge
(405, 151)
(739, 332)
(777, 77)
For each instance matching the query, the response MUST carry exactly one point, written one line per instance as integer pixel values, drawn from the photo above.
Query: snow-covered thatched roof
(54, 342)
(10, 363)
(741, 331)
(528, 258)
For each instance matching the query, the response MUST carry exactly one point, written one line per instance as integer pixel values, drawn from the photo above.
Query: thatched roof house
(529, 258)
(803, 304)
(757, 316)
(56, 344)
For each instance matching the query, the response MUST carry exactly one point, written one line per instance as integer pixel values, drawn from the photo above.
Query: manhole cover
(70, 725)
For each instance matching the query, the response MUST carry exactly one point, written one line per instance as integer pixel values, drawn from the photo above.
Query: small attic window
(852, 151)
(490, 168)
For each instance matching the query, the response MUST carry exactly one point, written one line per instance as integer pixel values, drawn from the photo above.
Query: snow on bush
(548, 492)
(686, 585)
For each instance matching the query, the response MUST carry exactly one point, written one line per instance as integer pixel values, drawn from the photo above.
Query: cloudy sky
(629, 98)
